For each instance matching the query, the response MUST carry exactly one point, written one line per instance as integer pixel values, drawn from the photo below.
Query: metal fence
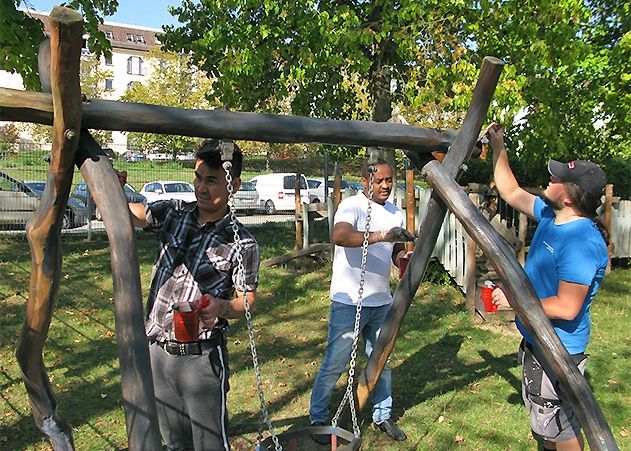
(23, 175)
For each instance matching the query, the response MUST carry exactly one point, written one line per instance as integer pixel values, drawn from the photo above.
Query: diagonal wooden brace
(429, 228)
(526, 303)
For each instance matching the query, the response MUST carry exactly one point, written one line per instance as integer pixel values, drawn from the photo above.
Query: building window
(140, 38)
(109, 84)
(135, 66)
(156, 40)
(108, 60)
(130, 37)
(109, 34)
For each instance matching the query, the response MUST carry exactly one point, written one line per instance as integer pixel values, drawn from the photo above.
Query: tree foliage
(173, 82)
(323, 55)
(564, 93)
(572, 63)
(21, 34)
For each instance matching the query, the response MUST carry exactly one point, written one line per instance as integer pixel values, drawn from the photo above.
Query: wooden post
(299, 216)
(607, 219)
(429, 227)
(337, 188)
(524, 300)
(141, 418)
(471, 273)
(307, 225)
(44, 229)
(410, 205)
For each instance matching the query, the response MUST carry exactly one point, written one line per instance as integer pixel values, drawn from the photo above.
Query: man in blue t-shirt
(566, 265)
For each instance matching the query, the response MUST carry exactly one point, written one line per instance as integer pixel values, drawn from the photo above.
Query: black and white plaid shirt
(192, 261)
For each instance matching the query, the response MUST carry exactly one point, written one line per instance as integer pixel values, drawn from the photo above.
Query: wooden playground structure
(71, 115)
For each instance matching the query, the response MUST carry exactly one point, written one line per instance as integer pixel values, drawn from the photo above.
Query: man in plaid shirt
(197, 256)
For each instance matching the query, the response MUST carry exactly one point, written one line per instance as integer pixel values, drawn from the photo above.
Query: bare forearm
(138, 215)
(356, 238)
(555, 308)
(502, 173)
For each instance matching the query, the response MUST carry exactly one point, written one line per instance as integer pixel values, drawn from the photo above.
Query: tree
(21, 34)
(174, 82)
(572, 64)
(321, 55)
(567, 71)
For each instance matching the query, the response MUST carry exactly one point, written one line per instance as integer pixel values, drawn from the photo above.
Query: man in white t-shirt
(384, 247)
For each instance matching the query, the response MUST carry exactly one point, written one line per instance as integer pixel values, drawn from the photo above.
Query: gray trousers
(191, 398)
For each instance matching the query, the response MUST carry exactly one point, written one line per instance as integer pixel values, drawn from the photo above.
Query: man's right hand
(122, 177)
(395, 235)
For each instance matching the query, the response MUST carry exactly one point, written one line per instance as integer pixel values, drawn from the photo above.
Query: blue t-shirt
(573, 252)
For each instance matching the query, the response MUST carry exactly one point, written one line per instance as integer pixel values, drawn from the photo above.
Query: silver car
(246, 199)
(19, 200)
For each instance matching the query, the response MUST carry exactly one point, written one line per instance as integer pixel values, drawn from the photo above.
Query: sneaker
(322, 439)
(391, 429)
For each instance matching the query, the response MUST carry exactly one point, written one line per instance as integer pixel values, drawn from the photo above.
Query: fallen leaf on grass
(103, 395)
(459, 438)
(441, 419)
(624, 432)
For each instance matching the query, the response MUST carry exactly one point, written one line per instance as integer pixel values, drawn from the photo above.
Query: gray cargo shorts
(551, 415)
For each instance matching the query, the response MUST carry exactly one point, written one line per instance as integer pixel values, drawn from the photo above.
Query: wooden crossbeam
(22, 106)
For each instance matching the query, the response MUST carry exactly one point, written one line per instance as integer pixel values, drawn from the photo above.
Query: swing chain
(227, 165)
(348, 396)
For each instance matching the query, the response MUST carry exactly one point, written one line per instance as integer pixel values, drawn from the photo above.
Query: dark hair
(367, 164)
(587, 205)
(210, 153)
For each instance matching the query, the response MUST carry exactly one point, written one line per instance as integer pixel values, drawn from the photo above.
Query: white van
(277, 191)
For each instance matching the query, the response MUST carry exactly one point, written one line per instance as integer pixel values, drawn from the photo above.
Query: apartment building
(128, 63)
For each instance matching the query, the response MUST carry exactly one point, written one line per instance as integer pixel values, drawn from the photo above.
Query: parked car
(134, 157)
(356, 186)
(132, 196)
(277, 191)
(316, 189)
(165, 190)
(246, 199)
(19, 200)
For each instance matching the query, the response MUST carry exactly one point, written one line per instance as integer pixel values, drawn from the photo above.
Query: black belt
(193, 348)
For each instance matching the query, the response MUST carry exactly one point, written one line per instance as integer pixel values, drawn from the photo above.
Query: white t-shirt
(347, 260)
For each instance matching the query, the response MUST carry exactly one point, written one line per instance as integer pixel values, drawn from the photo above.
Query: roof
(124, 36)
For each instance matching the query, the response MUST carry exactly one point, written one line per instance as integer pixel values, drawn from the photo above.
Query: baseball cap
(586, 175)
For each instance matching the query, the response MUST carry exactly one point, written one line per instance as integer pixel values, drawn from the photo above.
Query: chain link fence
(23, 174)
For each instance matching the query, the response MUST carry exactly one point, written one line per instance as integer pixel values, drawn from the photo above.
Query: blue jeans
(337, 356)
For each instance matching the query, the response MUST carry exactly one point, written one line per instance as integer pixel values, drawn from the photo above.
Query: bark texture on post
(524, 300)
(429, 228)
(138, 394)
(44, 229)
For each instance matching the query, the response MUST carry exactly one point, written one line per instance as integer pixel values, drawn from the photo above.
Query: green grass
(455, 383)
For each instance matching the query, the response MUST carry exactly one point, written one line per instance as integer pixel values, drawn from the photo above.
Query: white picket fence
(451, 245)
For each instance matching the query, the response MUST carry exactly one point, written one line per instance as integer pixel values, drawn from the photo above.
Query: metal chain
(265, 420)
(348, 396)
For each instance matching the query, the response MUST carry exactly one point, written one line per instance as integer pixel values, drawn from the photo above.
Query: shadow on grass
(86, 397)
